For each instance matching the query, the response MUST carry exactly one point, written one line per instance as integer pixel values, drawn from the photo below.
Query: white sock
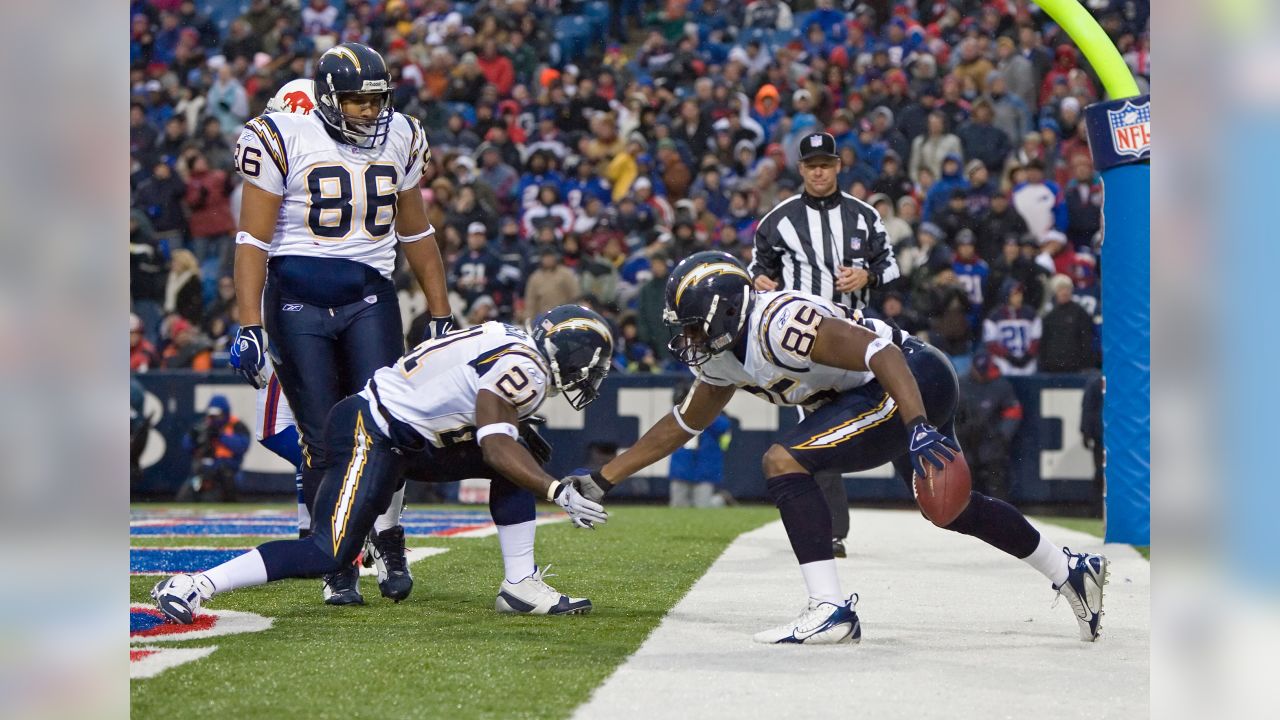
(1050, 561)
(304, 516)
(391, 517)
(246, 570)
(822, 581)
(516, 542)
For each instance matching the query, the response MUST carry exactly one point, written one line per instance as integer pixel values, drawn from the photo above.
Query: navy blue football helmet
(709, 297)
(353, 69)
(578, 346)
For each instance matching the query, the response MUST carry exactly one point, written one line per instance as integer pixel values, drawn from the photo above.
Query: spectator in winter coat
(1083, 201)
(548, 210)
(188, 348)
(987, 419)
(1018, 72)
(649, 306)
(228, 101)
(946, 303)
(208, 202)
(551, 284)
(931, 149)
(944, 188)
(1000, 225)
(184, 290)
(1067, 342)
(983, 140)
(1056, 254)
(476, 270)
(142, 354)
(1009, 113)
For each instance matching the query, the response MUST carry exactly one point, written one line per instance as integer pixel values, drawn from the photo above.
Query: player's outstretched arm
(703, 404)
(844, 345)
(496, 432)
(418, 239)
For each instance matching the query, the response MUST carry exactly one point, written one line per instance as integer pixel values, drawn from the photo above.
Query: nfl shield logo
(1131, 129)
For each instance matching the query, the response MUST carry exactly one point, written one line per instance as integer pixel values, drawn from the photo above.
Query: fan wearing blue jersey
(329, 196)
(454, 407)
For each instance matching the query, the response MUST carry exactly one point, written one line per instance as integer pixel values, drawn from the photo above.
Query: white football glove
(582, 512)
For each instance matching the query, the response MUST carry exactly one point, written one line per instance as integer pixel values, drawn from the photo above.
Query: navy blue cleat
(387, 548)
(533, 596)
(343, 587)
(1087, 574)
(820, 623)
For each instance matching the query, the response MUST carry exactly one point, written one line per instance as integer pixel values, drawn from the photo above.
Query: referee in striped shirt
(830, 244)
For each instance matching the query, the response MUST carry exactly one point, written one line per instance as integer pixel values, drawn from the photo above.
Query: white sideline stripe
(952, 628)
(413, 555)
(492, 529)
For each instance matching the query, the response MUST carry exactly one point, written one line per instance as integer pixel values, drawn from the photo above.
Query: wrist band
(874, 347)
(552, 490)
(497, 429)
(605, 485)
(917, 420)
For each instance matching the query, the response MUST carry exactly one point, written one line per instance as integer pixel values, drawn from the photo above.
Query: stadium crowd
(582, 171)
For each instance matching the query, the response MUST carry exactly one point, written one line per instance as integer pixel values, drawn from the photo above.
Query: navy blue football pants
(366, 469)
(862, 429)
(331, 324)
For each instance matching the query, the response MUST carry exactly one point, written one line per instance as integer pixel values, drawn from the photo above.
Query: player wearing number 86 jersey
(329, 196)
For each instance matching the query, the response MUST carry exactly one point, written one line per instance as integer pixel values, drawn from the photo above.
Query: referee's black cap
(819, 144)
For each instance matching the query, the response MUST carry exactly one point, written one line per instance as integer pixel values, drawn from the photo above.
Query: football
(943, 494)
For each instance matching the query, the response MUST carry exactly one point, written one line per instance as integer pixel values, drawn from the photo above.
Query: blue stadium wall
(1050, 464)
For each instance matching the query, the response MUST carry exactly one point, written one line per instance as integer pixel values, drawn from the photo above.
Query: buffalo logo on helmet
(299, 102)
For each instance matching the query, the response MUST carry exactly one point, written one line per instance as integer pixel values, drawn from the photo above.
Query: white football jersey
(434, 387)
(339, 200)
(776, 363)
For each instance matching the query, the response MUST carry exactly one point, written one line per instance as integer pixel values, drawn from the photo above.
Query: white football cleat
(179, 598)
(1087, 573)
(821, 623)
(533, 596)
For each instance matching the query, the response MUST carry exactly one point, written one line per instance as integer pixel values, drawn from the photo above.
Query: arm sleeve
(765, 258)
(516, 379)
(419, 155)
(260, 157)
(884, 266)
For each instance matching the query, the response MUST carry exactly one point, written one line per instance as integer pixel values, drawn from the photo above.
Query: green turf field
(445, 653)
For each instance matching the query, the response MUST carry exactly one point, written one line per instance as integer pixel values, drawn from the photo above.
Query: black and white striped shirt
(801, 241)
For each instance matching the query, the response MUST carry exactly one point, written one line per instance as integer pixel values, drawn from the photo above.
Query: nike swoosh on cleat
(175, 610)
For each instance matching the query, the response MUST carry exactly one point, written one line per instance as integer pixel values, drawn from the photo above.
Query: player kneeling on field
(447, 410)
(872, 395)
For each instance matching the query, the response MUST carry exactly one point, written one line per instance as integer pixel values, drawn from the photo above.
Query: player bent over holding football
(871, 396)
(447, 410)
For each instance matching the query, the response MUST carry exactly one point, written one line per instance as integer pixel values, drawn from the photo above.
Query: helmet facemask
(696, 343)
(582, 387)
(362, 133)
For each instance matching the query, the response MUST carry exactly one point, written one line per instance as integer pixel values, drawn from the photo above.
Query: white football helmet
(296, 96)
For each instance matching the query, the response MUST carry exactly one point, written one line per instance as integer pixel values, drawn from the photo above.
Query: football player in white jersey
(449, 409)
(329, 195)
(872, 395)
